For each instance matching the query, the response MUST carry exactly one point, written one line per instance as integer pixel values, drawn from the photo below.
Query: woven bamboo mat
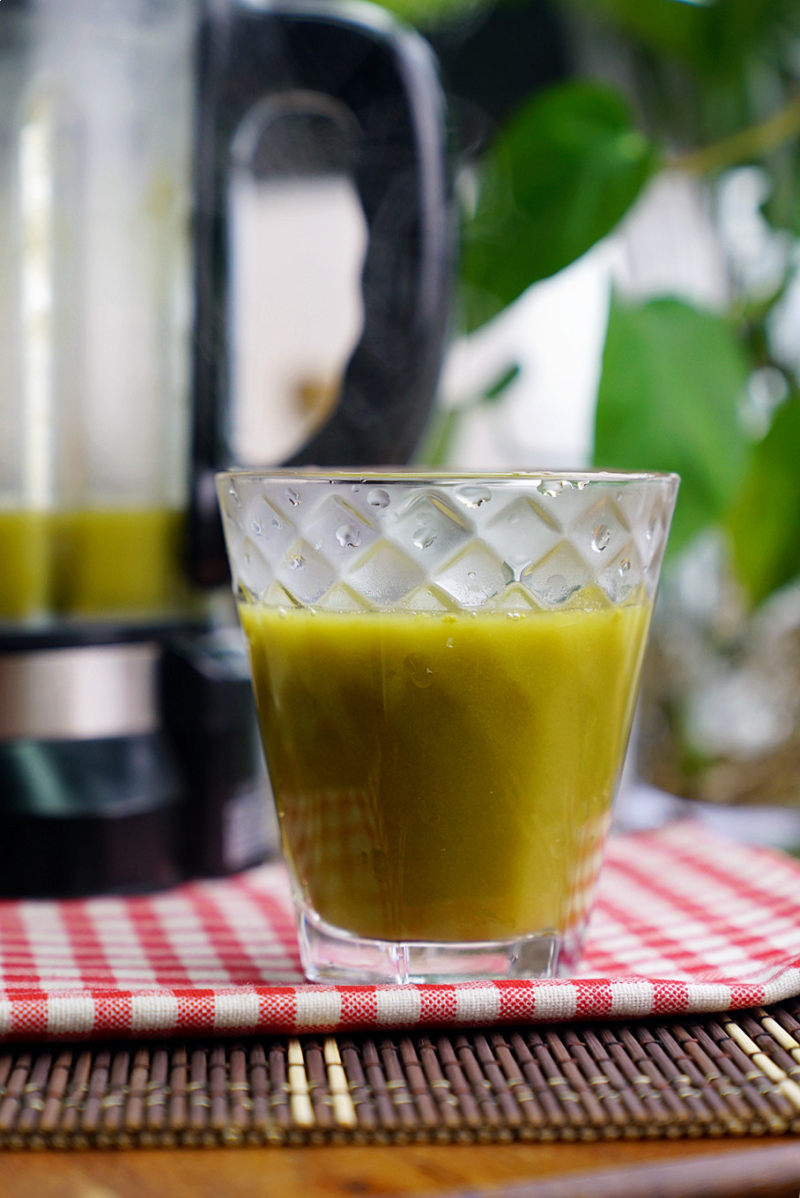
(734, 1075)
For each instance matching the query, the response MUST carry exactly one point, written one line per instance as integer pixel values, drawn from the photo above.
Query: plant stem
(751, 142)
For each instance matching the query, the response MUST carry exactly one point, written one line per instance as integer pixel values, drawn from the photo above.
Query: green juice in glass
(445, 777)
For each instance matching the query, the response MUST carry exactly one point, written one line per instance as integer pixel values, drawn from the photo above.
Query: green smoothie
(94, 562)
(24, 564)
(445, 777)
(117, 561)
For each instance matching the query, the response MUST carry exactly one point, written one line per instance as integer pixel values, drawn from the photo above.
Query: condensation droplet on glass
(237, 502)
(474, 496)
(556, 588)
(276, 522)
(293, 496)
(423, 538)
(581, 484)
(256, 526)
(513, 615)
(470, 573)
(248, 558)
(419, 669)
(624, 566)
(601, 537)
(348, 536)
(297, 562)
(651, 530)
(378, 497)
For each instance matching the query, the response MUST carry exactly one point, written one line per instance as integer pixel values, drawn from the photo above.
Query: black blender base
(70, 858)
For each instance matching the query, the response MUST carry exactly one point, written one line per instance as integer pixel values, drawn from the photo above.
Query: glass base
(329, 954)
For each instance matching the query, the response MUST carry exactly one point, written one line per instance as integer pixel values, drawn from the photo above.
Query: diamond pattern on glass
(558, 576)
(522, 533)
(601, 533)
(473, 577)
(340, 531)
(341, 597)
(436, 546)
(305, 572)
(624, 575)
(273, 530)
(430, 531)
(255, 573)
(428, 597)
(385, 574)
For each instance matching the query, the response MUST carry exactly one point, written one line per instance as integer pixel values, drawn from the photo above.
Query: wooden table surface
(769, 1168)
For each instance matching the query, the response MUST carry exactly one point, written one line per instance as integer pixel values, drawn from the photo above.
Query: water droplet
(378, 497)
(513, 615)
(624, 566)
(248, 559)
(256, 526)
(293, 496)
(297, 562)
(276, 522)
(474, 496)
(236, 500)
(470, 573)
(551, 488)
(348, 536)
(601, 537)
(556, 588)
(449, 643)
(651, 529)
(424, 537)
(581, 484)
(420, 670)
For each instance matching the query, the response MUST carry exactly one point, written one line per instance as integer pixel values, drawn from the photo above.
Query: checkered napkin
(685, 921)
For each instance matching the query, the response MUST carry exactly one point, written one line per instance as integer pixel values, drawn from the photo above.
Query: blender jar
(96, 124)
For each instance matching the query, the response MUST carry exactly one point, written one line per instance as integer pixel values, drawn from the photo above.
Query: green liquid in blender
(445, 777)
(109, 561)
(24, 564)
(103, 562)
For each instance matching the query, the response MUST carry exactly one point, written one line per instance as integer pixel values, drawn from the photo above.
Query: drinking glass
(445, 669)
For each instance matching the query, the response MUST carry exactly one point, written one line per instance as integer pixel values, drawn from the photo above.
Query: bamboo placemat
(731, 1075)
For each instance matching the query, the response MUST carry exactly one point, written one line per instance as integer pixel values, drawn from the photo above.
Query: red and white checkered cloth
(685, 921)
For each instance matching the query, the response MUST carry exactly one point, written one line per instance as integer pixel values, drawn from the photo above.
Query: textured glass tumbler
(445, 669)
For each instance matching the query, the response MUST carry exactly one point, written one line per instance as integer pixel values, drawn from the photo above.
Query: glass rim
(377, 475)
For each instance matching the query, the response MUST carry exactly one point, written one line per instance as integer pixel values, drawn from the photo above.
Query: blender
(225, 239)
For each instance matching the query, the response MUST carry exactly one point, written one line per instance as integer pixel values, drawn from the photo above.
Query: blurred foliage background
(569, 117)
(566, 111)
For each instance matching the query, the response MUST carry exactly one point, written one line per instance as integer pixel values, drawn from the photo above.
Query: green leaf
(764, 520)
(666, 26)
(671, 382)
(561, 174)
(714, 36)
(425, 13)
